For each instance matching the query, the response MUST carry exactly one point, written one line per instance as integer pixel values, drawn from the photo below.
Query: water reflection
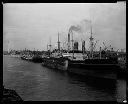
(34, 82)
(121, 90)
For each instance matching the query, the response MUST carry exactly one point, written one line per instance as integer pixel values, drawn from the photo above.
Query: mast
(72, 44)
(91, 43)
(50, 46)
(83, 46)
(8, 46)
(47, 47)
(58, 43)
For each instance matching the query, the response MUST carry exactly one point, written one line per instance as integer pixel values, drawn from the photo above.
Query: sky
(32, 25)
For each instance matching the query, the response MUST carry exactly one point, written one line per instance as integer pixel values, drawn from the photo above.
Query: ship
(33, 57)
(26, 57)
(101, 64)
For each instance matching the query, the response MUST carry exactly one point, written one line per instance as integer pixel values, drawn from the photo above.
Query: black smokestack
(75, 45)
(68, 37)
(68, 40)
(83, 46)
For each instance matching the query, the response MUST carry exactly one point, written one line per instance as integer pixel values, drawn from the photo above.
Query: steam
(81, 27)
(75, 28)
(81, 30)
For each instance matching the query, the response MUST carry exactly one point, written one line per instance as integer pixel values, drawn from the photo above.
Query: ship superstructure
(102, 63)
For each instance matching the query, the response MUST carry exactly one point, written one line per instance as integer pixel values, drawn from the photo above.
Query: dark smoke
(82, 27)
(75, 28)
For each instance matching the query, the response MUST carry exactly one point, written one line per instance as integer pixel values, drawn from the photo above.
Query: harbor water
(33, 82)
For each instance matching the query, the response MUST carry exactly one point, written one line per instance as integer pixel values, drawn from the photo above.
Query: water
(33, 82)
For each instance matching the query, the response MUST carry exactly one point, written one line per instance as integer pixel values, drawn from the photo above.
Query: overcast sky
(32, 25)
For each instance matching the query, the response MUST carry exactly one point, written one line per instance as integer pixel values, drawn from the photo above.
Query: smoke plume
(82, 27)
(75, 28)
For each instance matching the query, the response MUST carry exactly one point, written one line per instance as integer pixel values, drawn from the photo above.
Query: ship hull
(25, 58)
(55, 63)
(101, 69)
(37, 59)
(94, 70)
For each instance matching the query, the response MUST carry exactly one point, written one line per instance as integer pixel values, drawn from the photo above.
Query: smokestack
(75, 45)
(58, 43)
(112, 49)
(83, 46)
(68, 41)
(68, 37)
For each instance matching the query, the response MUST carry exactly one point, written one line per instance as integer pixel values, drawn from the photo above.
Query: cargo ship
(102, 63)
(29, 56)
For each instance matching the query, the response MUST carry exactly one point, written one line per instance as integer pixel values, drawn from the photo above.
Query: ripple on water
(35, 82)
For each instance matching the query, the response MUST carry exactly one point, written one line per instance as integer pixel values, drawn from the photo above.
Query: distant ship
(102, 63)
(29, 56)
(26, 57)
